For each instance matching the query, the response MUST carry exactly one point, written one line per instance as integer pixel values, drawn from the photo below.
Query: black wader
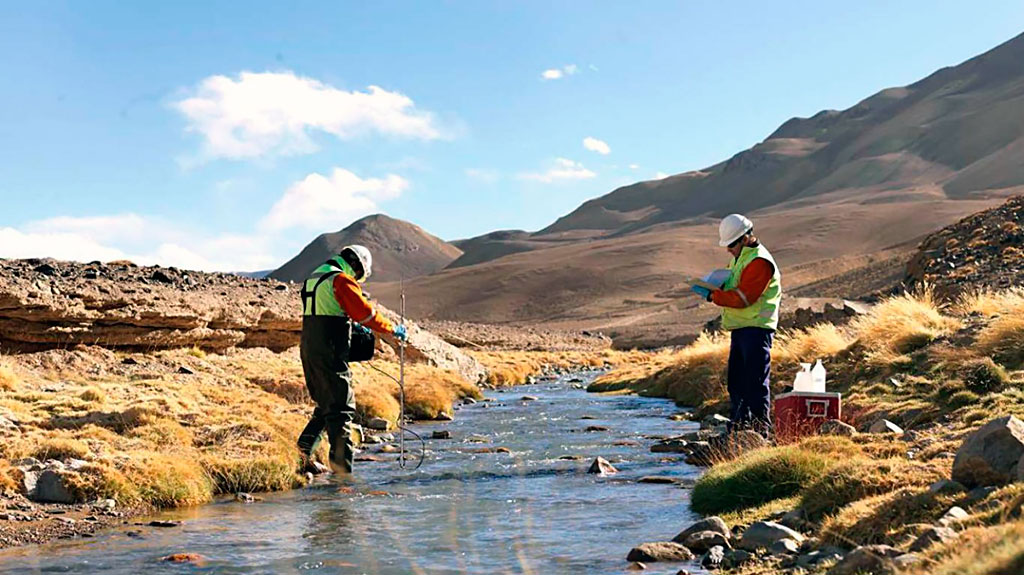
(324, 348)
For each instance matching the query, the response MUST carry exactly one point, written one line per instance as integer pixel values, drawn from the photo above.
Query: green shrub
(756, 478)
(984, 376)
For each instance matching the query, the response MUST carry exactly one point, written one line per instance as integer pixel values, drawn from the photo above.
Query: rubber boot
(342, 453)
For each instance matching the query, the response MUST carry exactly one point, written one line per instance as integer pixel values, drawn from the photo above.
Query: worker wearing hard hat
(333, 305)
(749, 299)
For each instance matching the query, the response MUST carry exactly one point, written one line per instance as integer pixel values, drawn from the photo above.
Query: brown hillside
(400, 250)
(836, 195)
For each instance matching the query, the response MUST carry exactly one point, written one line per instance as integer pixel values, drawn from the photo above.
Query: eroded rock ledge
(47, 304)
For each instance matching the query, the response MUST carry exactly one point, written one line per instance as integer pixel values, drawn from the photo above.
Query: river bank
(506, 489)
(922, 474)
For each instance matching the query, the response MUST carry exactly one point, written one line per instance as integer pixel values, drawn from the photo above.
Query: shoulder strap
(311, 294)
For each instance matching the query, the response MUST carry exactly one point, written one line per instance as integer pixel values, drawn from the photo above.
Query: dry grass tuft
(93, 394)
(62, 448)
(817, 342)
(8, 379)
(900, 325)
(997, 550)
(1003, 339)
(852, 479)
(889, 519)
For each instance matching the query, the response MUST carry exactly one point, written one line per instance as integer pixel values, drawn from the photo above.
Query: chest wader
(326, 333)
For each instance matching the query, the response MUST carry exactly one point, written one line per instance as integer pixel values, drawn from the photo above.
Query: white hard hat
(365, 260)
(732, 228)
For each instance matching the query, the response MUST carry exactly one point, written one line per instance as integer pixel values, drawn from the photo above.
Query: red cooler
(801, 413)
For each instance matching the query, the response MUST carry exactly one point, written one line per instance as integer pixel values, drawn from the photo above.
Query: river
(463, 511)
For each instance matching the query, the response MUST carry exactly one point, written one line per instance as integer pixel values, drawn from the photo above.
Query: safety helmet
(360, 259)
(732, 228)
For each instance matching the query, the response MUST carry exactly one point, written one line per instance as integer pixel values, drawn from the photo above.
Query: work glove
(401, 334)
(703, 292)
(362, 328)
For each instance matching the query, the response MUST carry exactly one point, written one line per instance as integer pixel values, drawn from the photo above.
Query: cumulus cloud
(661, 175)
(557, 73)
(320, 202)
(483, 175)
(259, 114)
(561, 169)
(634, 166)
(143, 240)
(595, 145)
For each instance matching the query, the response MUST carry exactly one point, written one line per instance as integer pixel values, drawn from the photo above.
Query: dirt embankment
(47, 304)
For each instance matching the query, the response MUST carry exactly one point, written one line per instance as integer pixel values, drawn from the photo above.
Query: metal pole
(401, 385)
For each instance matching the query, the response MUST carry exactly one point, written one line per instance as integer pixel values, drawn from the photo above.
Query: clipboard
(712, 281)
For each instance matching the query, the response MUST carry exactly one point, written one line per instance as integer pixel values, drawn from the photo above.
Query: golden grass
(1003, 339)
(899, 325)
(997, 550)
(891, 519)
(990, 303)
(807, 345)
(8, 379)
(152, 436)
(852, 479)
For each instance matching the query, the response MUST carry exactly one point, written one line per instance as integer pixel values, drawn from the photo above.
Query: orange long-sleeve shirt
(351, 299)
(753, 281)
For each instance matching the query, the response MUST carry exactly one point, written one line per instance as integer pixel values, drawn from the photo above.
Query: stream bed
(466, 510)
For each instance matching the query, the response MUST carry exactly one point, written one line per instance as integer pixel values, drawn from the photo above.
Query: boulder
(764, 534)
(875, 559)
(441, 434)
(907, 561)
(659, 551)
(819, 556)
(990, 455)
(28, 481)
(601, 466)
(933, 535)
(529, 398)
(952, 516)
(713, 524)
(713, 558)
(703, 541)
(51, 488)
(946, 487)
(885, 426)
(795, 519)
(836, 427)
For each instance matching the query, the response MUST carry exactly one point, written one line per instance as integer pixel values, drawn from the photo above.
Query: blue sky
(227, 137)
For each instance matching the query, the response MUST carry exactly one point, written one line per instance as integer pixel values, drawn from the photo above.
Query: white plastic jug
(818, 375)
(804, 379)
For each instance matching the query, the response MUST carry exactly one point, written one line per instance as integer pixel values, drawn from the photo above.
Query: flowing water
(463, 511)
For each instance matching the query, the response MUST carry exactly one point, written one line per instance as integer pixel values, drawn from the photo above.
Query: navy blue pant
(750, 364)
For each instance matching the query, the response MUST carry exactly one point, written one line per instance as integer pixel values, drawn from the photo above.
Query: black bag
(362, 345)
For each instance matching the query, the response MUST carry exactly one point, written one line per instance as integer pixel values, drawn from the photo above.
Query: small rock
(659, 551)
(129, 361)
(670, 446)
(502, 450)
(162, 523)
(704, 541)
(441, 434)
(658, 479)
(185, 370)
(715, 524)
(162, 277)
(601, 466)
(637, 566)
(819, 556)
(866, 559)
(468, 401)
(244, 497)
(445, 416)
(763, 534)
(885, 426)
(737, 558)
(27, 483)
(934, 535)
(954, 515)
(594, 428)
(714, 420)
(105, 505)
(795, 519)
(388, 448)
(945, 486)
(906, 561)
(980, 494)
(377, 424)
(784, 547)
(989, 456)
(713, 558)
(529, 398)
(477, 439)
(50, 488)
(836, 427)
(191, 558)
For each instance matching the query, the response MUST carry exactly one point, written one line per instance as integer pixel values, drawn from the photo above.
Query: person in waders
(333, 307)
(750, 300)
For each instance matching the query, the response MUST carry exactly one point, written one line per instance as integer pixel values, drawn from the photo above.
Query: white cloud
(562, 169)
(319, 202)
(660, 175)
(634, 166)
(258, 114)
(595, 145)
(483, 175)
(557, 73)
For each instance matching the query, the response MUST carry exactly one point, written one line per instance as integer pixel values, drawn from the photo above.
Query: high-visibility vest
(764, 312)
(318, 290)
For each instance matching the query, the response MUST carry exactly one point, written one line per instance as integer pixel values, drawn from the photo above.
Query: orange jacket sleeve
(753, 281)
(351, 299)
